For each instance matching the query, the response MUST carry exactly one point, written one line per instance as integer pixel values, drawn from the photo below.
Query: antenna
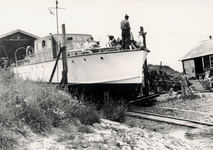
(56, 8)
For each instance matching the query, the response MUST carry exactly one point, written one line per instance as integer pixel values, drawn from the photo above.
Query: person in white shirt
(139, 43)
(89, 45)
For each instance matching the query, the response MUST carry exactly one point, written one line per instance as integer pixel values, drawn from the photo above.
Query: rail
(168, 119)
(34, 58)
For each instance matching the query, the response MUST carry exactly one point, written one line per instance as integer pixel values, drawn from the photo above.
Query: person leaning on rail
(112, 41)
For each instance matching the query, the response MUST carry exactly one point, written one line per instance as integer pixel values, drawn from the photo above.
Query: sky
(173, 27)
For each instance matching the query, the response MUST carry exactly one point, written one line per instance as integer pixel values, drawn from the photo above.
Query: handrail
(16, 52)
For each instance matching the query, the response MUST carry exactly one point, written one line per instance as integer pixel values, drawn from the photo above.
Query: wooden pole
(146, 78)
(145, 64)
(64, 57)
(56, 64)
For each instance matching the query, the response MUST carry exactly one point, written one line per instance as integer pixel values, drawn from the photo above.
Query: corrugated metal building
(199, 59)
(11, 41)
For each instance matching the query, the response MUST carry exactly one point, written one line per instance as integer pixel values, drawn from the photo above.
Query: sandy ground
(200, 109)
(107, 135)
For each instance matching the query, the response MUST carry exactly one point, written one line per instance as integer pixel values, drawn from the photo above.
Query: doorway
(198, 67)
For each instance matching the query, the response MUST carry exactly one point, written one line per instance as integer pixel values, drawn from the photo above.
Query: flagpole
(56, 7)
(57, 15)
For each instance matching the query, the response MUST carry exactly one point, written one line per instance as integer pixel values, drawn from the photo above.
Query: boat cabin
(48, 47)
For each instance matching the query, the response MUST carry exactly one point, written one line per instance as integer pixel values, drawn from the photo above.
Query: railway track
(168, 119)
(187, 111)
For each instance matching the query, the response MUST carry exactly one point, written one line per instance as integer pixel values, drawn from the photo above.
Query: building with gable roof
(199, 59)
(11, 41)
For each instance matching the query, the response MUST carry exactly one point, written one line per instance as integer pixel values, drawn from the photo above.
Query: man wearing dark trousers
(125, 34)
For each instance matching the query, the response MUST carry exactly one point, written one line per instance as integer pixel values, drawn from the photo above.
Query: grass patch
(6, 139)
(7, 142)
(35, 117)
(114, 110)
(41, 106)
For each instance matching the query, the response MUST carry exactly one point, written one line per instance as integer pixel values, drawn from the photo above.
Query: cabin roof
(59, 37)
(18, 30)
(202, 48)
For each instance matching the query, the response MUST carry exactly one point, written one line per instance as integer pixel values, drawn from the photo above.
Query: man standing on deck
(125, 34)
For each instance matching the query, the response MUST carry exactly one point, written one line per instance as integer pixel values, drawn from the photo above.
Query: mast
(56, 7)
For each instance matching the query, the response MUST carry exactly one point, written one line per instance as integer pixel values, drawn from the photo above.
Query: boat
(102, 69)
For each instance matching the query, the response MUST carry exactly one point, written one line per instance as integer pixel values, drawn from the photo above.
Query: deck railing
(46, 55)
(37, 57)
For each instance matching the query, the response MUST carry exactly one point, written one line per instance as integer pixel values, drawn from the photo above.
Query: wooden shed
(199, 60)
(11, 41)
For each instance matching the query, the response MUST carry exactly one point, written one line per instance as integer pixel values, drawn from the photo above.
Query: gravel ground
(201, 137)
(197, 116)
(203, 104)
(107, 135)
(199, 109)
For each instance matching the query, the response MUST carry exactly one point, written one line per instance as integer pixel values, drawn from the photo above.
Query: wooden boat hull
(117, 71)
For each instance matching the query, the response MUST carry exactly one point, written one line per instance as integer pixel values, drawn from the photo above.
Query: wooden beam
(56, 63)
(145, 68)
(64, 57)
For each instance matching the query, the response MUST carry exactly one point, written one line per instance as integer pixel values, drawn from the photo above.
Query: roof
(21, 31)
(59, 37)
(203, 48)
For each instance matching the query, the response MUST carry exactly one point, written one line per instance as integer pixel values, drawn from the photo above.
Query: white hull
(116, 67)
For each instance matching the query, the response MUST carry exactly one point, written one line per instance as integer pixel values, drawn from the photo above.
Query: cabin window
(77, 37)
(206, 62)
(211, 61)
(43, 43)
(69, 38)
